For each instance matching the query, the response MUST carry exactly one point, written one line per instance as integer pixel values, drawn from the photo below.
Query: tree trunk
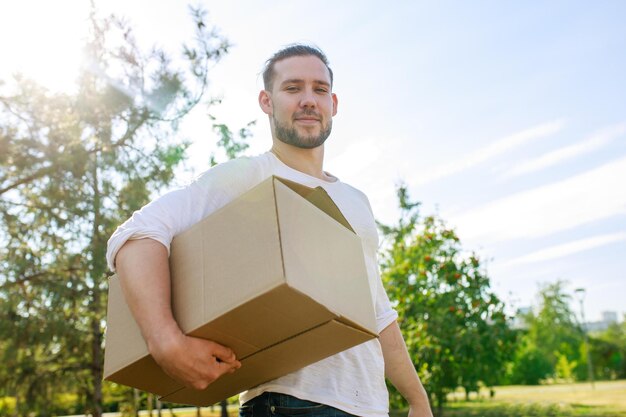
(97, 271)
(96, 363)
(224, 405)
(17, 404)
(440, 398)
(135, 402)
(149, 401)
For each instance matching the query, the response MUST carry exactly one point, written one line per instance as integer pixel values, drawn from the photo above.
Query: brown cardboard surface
(279, 279)
(311, 346)
(323, 265)
(126, 357)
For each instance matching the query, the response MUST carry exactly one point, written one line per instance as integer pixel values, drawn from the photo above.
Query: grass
(608, 399)
(215, 411)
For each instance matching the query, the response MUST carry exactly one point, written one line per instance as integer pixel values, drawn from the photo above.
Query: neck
(308, 161)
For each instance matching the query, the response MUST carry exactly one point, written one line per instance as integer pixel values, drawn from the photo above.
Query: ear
(265, 101)
(335, 103)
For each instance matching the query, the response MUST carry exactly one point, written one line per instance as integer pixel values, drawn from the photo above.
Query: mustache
(307, 113)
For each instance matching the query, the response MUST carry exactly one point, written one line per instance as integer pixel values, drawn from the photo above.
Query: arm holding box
(143, 269)
(138, 251)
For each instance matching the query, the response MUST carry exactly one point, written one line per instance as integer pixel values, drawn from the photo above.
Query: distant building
(519, 321)
(608, 318)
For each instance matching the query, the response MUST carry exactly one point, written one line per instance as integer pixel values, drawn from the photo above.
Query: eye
(322, 90)
(291, 89)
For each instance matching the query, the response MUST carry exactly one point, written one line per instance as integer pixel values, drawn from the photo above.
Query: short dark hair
(295, 49)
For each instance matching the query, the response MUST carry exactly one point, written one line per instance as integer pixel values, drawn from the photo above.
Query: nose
(308, 99)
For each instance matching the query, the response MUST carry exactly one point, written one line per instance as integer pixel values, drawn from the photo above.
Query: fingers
(209, 368)
(223, 353)
(197, 362)
(223, 368)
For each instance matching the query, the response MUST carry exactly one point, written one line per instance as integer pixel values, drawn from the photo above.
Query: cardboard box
(277, 275)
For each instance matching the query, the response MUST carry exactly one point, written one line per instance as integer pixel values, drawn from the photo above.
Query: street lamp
(580, 294)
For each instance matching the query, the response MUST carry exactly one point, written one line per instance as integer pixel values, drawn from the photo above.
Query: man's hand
(194, 362)
(420, 410)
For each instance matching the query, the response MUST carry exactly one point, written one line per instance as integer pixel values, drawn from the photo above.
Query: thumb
(223, 353)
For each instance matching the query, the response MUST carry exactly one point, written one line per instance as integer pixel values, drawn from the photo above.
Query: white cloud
(587, 145)
(491, 151)
(566, 249)
(593, 195)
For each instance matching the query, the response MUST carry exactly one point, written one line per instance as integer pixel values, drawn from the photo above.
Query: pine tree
(72, 167)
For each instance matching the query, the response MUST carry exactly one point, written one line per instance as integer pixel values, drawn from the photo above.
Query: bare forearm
(142, 266)
(400, 371)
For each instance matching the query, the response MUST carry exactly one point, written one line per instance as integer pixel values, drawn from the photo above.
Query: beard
(290, 135)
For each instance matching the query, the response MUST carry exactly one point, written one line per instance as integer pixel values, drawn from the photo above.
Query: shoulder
(240, 172)
(357, 194)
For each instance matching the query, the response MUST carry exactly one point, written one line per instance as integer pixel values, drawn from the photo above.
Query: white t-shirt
(352, 380)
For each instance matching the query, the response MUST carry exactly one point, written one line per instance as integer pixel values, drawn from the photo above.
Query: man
(300, 104)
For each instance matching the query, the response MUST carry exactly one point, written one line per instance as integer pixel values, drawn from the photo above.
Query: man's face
(300, 104)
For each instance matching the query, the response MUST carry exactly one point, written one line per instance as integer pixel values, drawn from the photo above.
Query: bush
(530, 367)
(7, 406)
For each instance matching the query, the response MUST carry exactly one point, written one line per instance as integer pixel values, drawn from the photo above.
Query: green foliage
(564, 368)
(551, 347)
(231, 145)
(454, 325)
(7, 406)
(72, 167)
(608, 351)
(530, 365)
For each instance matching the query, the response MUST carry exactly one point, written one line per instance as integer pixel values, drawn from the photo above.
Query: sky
(507, 119)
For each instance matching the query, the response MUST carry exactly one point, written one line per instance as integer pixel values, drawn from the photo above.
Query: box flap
(320, 199)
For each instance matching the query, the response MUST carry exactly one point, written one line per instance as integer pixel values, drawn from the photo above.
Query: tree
(73, 166)
(454, 325)
(530, 365)
(551, 348)
(608, 350)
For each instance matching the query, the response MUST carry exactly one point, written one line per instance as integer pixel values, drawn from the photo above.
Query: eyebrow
(300, 81)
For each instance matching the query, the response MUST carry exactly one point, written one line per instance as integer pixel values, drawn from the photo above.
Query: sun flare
(43, 41)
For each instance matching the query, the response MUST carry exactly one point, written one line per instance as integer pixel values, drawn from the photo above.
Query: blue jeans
(273, 404)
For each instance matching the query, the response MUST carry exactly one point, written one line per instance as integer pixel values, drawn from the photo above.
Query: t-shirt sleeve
(385, 313)
(177, 210)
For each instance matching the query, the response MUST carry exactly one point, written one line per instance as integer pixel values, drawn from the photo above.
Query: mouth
(307, 116)
(307, 120)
